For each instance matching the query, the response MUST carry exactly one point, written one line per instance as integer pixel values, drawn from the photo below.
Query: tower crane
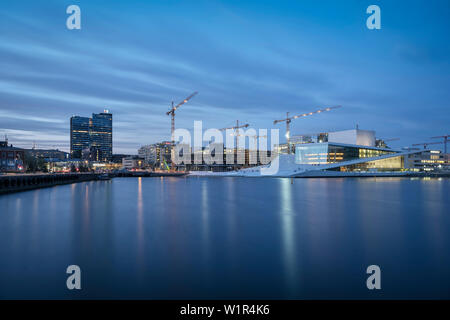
(237, 127)
(445, 141)
(172, 113)
(381, 142)
(256, 139)
(257, 136)
(425, 144)
(289, 119)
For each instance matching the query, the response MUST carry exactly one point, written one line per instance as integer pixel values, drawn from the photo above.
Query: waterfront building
(133, 163)
(352, 150)
(79, 135)
(11, 158)
(347, 153)
(47, 154)
(216, 157)
(65, 166)
(93, 153)
(429, 160)
(158, 154)
(95, 132)
(148, 153)
(351, 137)
(117, 158)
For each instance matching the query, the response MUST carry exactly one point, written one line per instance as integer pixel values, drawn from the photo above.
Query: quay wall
(23, 182)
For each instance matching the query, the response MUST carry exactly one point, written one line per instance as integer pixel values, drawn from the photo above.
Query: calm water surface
(228, 238)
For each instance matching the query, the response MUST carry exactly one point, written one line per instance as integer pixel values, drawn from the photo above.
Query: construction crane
(425, 144)
(289, 119)
(172, 113)
(381, 143)
(445, 141)
(237, 127)
(256, 139)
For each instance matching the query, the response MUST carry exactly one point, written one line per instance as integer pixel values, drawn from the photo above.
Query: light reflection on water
(227, 238)
(289, 255)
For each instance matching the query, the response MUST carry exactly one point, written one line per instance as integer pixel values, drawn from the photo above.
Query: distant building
(156, 154)
(95, 132)
(11, 158)
(149, 153)
(50, 154)
(117, 158)
(429, 160)
(216, 157)
(79, 135)
(92, 153)
(334, 152)
(67, 165)
(133, 163)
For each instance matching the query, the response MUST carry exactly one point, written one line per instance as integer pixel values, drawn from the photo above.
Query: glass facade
(101, 135)
(388, 164)
(79, 136)
(325, 153)
(91, 133)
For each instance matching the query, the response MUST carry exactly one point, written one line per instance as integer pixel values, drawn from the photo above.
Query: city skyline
(251, 63)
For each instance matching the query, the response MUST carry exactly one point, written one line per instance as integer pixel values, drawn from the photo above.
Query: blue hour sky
(249, 60)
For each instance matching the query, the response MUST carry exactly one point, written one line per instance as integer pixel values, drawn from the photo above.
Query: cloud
(246, 64)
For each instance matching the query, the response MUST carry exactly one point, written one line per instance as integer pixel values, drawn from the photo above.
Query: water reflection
(433, 207)
(205, 213)
(227, 238)
(287, 216)
(232, 200)
(140, 229)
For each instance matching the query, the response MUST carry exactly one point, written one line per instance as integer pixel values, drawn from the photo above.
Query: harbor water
(231, 238)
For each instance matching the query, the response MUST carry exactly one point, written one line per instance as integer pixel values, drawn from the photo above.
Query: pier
(23, 182)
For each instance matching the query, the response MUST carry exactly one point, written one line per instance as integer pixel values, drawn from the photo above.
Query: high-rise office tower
(92, 133)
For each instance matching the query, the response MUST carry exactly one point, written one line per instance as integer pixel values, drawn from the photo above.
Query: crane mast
(445, 141)
(289, 119)
(425, 144)
(171, 112)
(237, 127)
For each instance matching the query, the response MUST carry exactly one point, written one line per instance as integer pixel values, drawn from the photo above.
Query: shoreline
(26, 182)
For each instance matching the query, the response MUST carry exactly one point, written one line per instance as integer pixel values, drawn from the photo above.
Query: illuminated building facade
(429, 160)
(91, 133)
(156, 154)
(325, 153)
(353, 157)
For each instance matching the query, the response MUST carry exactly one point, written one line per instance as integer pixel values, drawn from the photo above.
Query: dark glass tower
(79, 136)
(92, 133)
(101, 135)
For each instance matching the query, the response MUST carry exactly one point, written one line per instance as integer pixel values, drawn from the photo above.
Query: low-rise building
(11, 158)
(157, 155)
(133, 163)
(47, 154)
(429, 160)
(117, 158)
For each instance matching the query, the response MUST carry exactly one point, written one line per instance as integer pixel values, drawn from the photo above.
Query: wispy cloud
(249, 61)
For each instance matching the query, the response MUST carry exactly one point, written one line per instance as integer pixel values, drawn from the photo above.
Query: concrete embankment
(23, 182)
(150, 174)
